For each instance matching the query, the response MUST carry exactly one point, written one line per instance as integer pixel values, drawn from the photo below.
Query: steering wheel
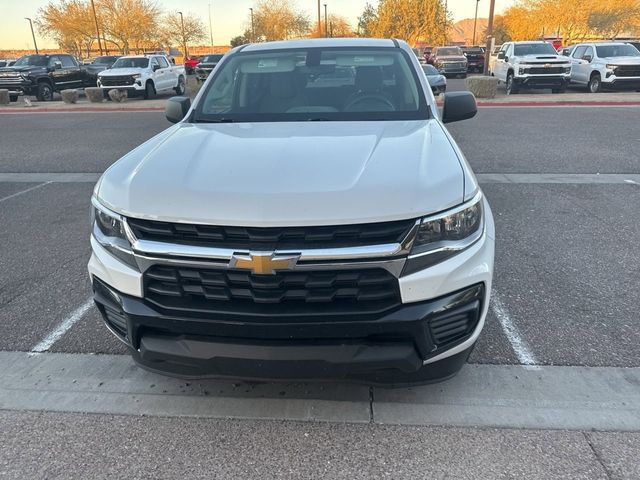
(372, 97)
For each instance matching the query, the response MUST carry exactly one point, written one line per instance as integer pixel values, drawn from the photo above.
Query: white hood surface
(622, 60)
(112, 72)
(287, 174)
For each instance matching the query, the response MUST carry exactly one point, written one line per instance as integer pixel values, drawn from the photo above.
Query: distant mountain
(462, 32)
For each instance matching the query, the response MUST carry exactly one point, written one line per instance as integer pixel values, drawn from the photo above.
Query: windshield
(104, 60)
(617, 50)
(210, 59)
(430, 70)
(449, 51)
(314, 84)
(32, 61)
(534, 49)
(131, 62)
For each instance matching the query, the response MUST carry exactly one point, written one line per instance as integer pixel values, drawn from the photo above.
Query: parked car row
(536, 64)
(42, 75)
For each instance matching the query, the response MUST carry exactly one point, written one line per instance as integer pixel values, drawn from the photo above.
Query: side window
(163, 63)
(588, 51)
(52, 60)
(579, 51)
(153, 62)
(67, 61)
(509, 52)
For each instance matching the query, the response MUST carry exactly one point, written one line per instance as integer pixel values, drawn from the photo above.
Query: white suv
(143, 75)
(606, 65)
(532, 65)
(296, 223)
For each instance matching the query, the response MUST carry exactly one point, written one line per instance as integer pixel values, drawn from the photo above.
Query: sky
(229, 17)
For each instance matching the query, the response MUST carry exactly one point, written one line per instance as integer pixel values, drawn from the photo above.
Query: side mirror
(459, 106)
(501, 55)
(587, 58)
(176, 108)
(156, 67)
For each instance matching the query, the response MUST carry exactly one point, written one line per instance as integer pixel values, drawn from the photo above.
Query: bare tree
(171, 32)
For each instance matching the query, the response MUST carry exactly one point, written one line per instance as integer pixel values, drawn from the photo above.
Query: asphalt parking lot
(564, 186)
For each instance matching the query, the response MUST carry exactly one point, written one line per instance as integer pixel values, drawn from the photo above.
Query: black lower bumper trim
(390, 349)
(541, 82)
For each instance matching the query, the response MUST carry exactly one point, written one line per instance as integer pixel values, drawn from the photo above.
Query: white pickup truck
(298, 223)
(532, 65)
(143, 75)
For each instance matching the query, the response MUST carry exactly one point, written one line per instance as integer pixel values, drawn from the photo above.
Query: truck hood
(547, 58)
(22, 69)
(287, 174)
(621, 60)
(121, 71)
(451, 58)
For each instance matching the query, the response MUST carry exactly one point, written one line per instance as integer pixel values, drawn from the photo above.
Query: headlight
(444, 235)
(611, 67)
(567, 69)
(110, 231)
(136, 76)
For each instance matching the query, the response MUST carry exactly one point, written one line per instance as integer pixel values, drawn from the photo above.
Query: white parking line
(524, 354)
(24, 191)
(61, 329)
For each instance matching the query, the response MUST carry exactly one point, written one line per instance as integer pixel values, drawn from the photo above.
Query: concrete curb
(80, 110)
(508, 396)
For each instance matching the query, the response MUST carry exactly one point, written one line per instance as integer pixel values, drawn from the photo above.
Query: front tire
(13, 98)
(180, 89)
(45, 92)
(562, 89)
(149, 90)
(511, 86)
(595, 84)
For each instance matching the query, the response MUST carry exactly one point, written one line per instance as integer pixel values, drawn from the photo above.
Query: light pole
(487, 52)
(210, 29)
(446, 19)
(253, 28)
(319, 21)
(184, 41)
(95, 18)
(475, 23)
(326, 24)
(33, 34)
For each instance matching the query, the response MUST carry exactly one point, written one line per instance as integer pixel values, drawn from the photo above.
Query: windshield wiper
(214, 120)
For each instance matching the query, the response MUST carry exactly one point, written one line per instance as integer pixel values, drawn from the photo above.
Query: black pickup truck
(42, 75)
(475, 58)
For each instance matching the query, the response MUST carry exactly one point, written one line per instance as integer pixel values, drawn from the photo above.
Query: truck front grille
(545, 70)
(116, 80)
(250, 238)
(628, 71)
(299, 294)
(10, 79)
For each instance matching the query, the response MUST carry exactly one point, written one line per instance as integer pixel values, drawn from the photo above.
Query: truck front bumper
(426, 338)
(621, 83)
(543, 81)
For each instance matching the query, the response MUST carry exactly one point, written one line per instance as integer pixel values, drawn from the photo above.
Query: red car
(190, 64)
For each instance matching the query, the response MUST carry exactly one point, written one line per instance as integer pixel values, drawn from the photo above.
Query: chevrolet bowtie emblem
(263, 263)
